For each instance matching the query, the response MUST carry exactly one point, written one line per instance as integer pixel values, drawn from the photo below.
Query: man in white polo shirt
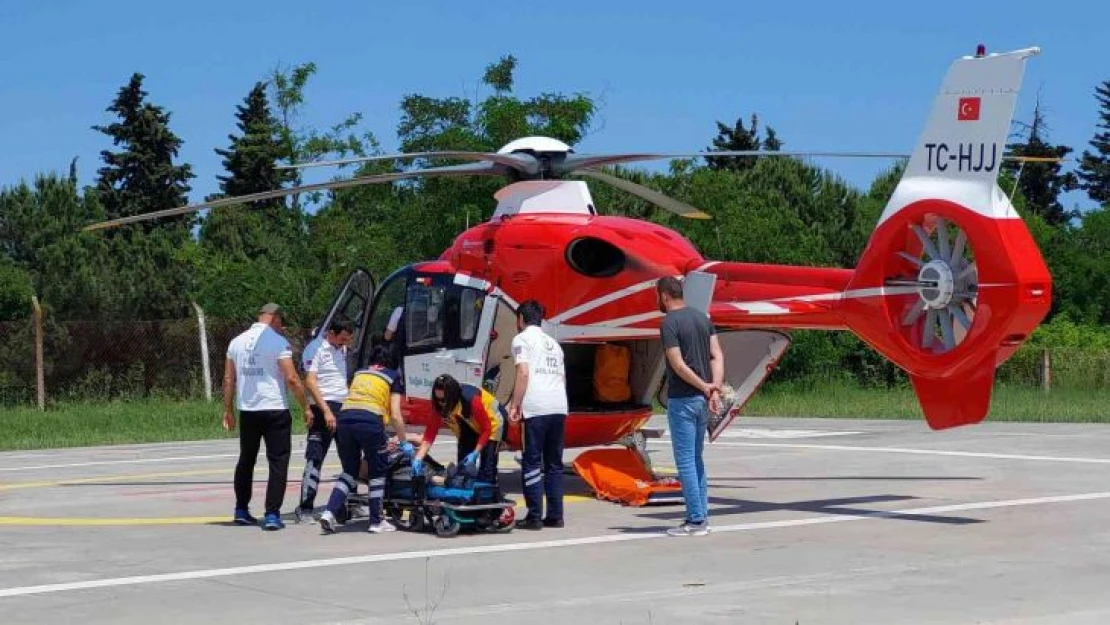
(540, 398)
(324, 363)
(257, 372)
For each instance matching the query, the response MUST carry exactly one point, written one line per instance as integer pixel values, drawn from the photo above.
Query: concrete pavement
(815, 521)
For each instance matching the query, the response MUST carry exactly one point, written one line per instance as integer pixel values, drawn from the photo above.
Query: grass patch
(1007, 404)
(116, 423)
(155, 421)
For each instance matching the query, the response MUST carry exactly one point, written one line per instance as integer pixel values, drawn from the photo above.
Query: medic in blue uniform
(374, 397)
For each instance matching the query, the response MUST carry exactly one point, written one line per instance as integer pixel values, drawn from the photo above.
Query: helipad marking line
(520, 546)
(903, 450)
(97, 463)
(126, 448)
(93, 521)
(31, 521)
(112, 478)
(132, 476)
(783, 433)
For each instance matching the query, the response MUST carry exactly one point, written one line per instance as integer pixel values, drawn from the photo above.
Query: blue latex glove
(408, 449)
(418, 467)
(471, 458)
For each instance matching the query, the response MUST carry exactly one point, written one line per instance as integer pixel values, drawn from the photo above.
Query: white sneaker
(384, 526)
(327, 522)
(689, 529)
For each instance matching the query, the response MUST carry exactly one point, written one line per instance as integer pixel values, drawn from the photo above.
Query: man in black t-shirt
(695, 373)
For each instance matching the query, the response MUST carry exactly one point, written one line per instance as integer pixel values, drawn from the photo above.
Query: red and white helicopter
(948, 287)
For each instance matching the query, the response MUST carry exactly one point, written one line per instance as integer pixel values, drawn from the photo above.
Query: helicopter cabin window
(390, 302)
(424, 314)
(470, 313)
(442, 315)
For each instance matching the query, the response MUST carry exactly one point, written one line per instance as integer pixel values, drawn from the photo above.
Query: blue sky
(826, 76)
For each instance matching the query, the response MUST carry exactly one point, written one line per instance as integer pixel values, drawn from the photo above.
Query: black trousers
(276, 428)
(487, 460)
(542, 466)
(315, 450)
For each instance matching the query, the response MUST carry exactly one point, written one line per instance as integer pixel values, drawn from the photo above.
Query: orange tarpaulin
(620, 475)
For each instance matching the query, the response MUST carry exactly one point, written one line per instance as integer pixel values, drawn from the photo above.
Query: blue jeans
(687, 418)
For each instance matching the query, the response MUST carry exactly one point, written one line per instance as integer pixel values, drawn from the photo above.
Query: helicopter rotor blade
(679, 208)
(574, 162)
(470, 169)
(523, 163)
(529, 165)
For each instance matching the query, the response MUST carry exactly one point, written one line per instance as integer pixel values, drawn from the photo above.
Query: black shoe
(529, 524)
(552, 522)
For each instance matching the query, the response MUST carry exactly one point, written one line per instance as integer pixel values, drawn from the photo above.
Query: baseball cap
(271, 309)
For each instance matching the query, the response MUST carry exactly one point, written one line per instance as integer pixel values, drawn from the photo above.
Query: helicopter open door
(350, 302)
(448, 328)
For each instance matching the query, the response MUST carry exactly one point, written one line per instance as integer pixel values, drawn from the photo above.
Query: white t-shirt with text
(259, 383)
(547, 390)
(329, 363)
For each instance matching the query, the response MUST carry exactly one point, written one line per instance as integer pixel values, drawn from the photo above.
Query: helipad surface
(815, 521)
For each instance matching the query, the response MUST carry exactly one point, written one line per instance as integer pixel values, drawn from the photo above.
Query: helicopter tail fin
(957, 281)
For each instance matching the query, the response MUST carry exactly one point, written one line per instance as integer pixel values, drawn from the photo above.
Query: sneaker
(689, 529)
(327, 522)
(383, 526)
(243, 517)
(553, 523)
(273, 522)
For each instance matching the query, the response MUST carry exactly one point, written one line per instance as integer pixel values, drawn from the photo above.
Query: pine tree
(250, 161)
(741, 139)
(153, 281)
(1041, 183)
(1094, 170)
(40, 235)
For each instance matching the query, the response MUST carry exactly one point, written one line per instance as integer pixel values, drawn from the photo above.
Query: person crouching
(374, 397)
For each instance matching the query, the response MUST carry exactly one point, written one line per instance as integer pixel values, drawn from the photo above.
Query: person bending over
(477, 420)
(374, 398)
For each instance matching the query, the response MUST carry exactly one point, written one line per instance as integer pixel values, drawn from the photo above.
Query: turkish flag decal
(968, 110)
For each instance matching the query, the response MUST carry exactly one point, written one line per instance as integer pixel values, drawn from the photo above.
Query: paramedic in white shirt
(324, 363)
(257, 372)
(540, 397)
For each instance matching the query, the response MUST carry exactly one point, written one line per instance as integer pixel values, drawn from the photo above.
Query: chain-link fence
(98, 361)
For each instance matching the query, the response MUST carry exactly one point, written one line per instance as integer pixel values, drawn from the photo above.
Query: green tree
(152, 278)
(251, 229)
(742, 139)
(15, 291)
(40, 239)
(304, 145)
(1094, 170)
(1041, 183)
(455, 123)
